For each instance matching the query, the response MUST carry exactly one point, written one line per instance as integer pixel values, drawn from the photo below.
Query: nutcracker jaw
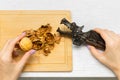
(67, 24)
(72, 26)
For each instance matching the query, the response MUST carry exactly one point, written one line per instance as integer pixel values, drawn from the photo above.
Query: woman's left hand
(9, 69)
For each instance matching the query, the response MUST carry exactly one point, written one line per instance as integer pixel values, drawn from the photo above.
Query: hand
(9, 69)
(111, 56)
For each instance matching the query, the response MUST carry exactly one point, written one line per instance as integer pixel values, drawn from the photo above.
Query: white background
(91, 13)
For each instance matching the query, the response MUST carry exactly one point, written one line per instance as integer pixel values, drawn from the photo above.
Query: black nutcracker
(79, 37)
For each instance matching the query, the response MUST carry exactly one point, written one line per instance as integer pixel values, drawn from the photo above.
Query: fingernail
(88, 46)
(32, 51)
(24, 33)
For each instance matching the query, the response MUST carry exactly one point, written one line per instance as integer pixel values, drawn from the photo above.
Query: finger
(118, 35)
(25, 58)
(96, 54)
(103, 34)
(5, 46)
(18, 38)
(113, 36)
(10, 46)
(14, 41)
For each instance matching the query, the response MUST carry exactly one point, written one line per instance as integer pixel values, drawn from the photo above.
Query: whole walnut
(25, 44)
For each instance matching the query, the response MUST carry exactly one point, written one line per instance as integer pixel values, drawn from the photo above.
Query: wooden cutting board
(12, 23)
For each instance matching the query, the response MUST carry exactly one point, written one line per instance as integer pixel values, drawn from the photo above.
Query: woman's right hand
(111, 56)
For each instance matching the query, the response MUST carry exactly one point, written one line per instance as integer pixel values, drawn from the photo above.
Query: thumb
(24, 59)
(95, 53)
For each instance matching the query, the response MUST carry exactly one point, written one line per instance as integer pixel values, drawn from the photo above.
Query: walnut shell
(26, 44)
(49, 38)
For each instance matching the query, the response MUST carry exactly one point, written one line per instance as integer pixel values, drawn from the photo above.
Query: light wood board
(12, 23)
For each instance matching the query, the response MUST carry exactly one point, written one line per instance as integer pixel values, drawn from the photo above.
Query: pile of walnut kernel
(40, 39)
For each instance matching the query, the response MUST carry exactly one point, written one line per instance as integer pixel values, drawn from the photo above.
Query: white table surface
(91, 13)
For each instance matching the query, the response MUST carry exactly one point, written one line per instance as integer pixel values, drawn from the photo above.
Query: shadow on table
(113, 78)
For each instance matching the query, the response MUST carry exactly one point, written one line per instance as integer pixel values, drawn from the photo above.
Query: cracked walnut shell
(40, 39)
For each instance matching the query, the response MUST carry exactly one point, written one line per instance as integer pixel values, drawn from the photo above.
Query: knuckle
(9, 41)
(13, 41)
(106, 30)
(111, 44)
(100, 31)
(118, 41)
(101, 59)
(4, 59)
(97, 29)
(118, 36)
(112, 32)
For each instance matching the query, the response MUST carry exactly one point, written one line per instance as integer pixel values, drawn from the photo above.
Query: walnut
(25, 44)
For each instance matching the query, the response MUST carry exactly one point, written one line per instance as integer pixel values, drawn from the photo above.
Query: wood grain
(12, 23)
